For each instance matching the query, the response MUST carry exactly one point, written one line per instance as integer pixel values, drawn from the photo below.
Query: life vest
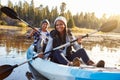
(57, 40)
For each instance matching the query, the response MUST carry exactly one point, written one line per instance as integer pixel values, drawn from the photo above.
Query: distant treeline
(33, 15)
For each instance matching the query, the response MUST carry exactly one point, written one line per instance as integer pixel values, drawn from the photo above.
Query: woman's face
(60, 27)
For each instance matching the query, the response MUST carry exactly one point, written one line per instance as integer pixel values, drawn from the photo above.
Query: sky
(99, 7)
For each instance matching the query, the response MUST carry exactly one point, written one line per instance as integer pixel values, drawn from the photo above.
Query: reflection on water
(104, 48)
(21, 43)
(9, 43)
(104, 42)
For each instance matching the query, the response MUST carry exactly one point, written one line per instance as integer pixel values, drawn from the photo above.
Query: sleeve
(49, 47)
(75, 44)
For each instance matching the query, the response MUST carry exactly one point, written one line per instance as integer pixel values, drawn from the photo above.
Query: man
(40, 36)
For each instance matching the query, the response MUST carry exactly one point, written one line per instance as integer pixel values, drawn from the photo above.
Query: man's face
(44, 25)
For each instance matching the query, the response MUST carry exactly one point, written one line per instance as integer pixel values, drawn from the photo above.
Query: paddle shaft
(26, 23)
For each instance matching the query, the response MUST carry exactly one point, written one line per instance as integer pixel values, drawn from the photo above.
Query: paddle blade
(5, 71)
(108, 26)
(9, 12)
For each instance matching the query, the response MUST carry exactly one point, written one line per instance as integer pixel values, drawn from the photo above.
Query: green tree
(10, 4)
(71, 23)
(62, 8)
(34, 15)
(0, 11)
(19, 9)
(25, 11)
(31, 12)
(53, 14)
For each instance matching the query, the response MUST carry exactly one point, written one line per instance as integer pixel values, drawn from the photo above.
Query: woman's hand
(40, 55)
(79, 39)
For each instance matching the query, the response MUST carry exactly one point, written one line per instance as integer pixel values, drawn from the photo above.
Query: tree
(25, 10)
(10, 4)
(53, 14)
(31, 8)
(0, 11)
(71, 23)
(62, 8)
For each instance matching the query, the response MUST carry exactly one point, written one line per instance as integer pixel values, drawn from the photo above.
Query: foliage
(71, 23)
(3, 23)
(34, 15)
(20, 24)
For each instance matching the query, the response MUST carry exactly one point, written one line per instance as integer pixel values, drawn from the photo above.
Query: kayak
(54, 71)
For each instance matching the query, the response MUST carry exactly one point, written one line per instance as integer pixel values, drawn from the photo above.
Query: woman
(40, 36)
(66, 55)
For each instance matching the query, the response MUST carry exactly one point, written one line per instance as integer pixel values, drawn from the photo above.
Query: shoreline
(76, 31)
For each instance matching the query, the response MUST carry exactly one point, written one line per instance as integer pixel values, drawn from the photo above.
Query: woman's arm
(49, 46)
(76, 45)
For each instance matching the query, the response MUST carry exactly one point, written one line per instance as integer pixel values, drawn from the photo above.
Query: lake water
(13, 51)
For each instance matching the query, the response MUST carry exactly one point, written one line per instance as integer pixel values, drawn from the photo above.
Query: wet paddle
(5, 70)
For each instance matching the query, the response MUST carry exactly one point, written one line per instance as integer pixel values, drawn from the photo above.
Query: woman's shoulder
(53, 33)
(69, 32)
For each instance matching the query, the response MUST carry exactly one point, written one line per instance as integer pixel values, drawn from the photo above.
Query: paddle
(12, 14)
(6, 70)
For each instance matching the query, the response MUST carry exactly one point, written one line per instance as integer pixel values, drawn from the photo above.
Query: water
(104, 47)
(13, 51)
